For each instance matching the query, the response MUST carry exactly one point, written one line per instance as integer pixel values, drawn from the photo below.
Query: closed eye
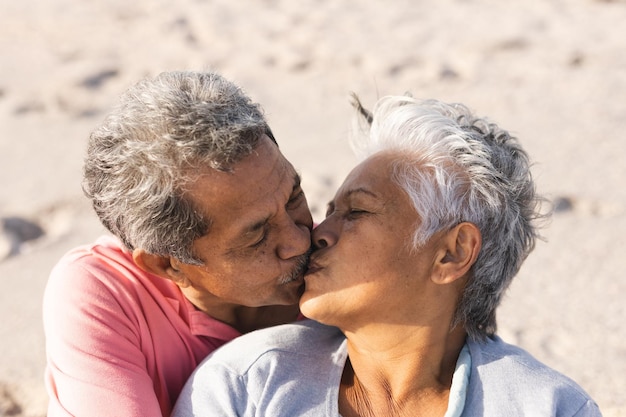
(295, 200)
(354, 213)
(260, 242)
(330, 209)
(350, 213)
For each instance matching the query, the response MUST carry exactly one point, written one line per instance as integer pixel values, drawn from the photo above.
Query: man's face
(255, 252)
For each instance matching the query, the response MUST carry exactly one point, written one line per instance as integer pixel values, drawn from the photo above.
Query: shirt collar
(201, 324)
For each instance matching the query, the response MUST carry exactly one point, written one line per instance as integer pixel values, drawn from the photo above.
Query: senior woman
(418, 246)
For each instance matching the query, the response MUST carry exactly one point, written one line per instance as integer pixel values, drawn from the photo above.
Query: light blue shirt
(460, 384)
(294, 370)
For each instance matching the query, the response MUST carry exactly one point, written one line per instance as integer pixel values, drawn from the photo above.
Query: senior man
(211, 235)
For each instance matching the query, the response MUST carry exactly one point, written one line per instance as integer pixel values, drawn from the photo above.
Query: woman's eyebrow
(348, 194)
(360, 190)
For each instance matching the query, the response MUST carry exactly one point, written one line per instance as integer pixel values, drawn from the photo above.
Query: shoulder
(99, 281)
(82, 272)
(506, 374)
(276, 352)
(303, 339)
(494, 355)
(261, 373)
(103, 269)
(95, 259)
(105, 254)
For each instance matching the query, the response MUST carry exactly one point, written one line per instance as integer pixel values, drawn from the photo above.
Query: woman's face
(363, 269)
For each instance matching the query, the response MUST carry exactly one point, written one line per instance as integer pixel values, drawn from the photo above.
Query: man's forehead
(246, 222)
(240, 203)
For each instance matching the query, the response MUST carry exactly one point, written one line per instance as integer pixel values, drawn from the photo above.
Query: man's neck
(242, 318)
(248, 319)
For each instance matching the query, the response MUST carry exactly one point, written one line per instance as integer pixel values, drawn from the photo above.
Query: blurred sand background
(553, 72)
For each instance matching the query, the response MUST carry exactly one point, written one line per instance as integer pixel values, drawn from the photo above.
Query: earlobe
(163, 266)
(460, 248)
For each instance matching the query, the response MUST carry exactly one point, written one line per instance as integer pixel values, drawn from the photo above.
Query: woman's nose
(323, 236)
(319, 243)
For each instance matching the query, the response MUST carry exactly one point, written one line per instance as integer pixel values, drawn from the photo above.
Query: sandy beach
(552, 72)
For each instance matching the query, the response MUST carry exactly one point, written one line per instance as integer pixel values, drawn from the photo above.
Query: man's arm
(95, 366)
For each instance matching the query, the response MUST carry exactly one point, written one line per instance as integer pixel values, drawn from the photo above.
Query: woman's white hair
(457, 168)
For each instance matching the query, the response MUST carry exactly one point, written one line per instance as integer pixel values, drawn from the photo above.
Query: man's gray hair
(457, 168)
(163, 132)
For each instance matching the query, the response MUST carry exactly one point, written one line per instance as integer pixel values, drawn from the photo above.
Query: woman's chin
(305, 304)
(310, 305)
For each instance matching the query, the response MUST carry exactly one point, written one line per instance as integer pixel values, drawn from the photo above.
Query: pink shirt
(119, 341)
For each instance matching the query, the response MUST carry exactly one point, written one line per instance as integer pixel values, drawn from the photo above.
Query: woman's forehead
(372, 179)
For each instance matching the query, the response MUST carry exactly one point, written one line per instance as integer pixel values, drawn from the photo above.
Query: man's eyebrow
(254, 227)
(297, 181)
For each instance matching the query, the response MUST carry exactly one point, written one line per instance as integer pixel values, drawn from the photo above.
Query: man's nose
(295, 240)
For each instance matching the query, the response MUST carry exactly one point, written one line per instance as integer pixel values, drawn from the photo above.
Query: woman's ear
(163, 266)
(459, 249)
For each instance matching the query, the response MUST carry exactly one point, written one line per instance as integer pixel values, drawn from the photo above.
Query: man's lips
(297, 275)
(313, 268)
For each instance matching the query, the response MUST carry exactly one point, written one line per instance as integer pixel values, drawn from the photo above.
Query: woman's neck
(399, 371)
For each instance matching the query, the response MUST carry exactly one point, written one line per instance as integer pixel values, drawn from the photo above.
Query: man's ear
(459, 249)
(163, 266)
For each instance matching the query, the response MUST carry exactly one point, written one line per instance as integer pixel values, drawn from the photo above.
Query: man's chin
(294, 290)
(301, 289)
